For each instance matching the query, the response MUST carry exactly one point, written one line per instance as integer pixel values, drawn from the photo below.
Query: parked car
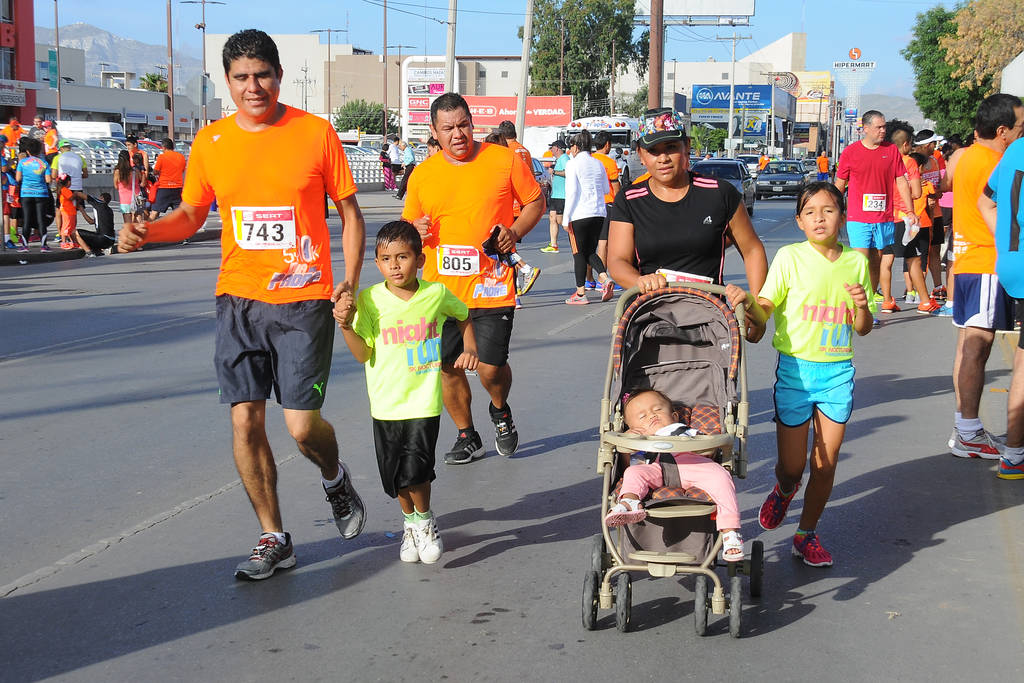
(810, 167)
(97, 158)
(780, 178)
(734, 172)
(542, 176)
(357, 153)
(752, 161)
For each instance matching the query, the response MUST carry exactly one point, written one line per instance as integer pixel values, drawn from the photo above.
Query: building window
(43, 72)
(7, 63)
(6, 11)
(504, 74)
(725, 75)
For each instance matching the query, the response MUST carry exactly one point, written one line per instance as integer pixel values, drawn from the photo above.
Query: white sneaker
(981, 444)
(409, 552)
(428, 541)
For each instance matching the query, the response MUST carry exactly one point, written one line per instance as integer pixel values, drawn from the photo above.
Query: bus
(625, 130)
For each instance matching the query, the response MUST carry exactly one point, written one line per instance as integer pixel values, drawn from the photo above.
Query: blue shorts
(822, 176)
(803, 385)
(870, 235)
(979, 300)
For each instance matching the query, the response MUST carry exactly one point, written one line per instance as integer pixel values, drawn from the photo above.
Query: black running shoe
(346, 505)
(506, 438)
(468, 447)
(268, 556)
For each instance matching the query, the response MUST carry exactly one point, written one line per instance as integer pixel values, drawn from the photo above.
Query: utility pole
(611, 95)
(732, 91)
(451, 69)
(561, 57)
(304, 82)
(524, 76)
(202, 27)
(384, 45)
(56, 48)
(329, 31)
(656, 62)
(170, 75)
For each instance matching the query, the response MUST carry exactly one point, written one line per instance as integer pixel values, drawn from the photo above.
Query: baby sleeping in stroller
(649, 413)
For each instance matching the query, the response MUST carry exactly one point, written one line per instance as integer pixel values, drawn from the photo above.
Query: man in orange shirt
(822, 166)
(13, 132)
(762, 162)
(275, 330)
(170, 172)
(461, 202)
(980, 304)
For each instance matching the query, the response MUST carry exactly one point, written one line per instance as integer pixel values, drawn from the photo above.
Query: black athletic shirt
(104, 216)
(688, 235)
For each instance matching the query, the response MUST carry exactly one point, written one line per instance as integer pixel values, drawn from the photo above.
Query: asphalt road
(123, 518)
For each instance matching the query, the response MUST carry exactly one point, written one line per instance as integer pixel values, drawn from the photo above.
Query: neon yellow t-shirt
(814, 313)
(403, 374)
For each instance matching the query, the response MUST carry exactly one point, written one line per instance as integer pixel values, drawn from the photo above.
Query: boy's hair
(399, 231)
(633, 393)
(253, 44)
(105, 196)
(602, 138)
(811, 189)
(897, 132)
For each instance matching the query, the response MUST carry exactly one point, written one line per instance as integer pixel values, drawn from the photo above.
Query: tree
(952, 108)
(705, 138)
(989, 35)
(365, 116)
(632, 105)
(153, 82)
(589, 29)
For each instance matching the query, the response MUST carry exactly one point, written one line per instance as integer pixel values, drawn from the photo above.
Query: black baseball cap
(558, 143)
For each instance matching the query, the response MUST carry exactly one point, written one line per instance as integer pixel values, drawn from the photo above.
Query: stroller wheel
(735, 604)
(591, 585)
(623, 601)
(597, 553)
(700, 604)
(756, 568)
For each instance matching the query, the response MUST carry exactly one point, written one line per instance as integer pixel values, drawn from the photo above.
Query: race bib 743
(264, 227)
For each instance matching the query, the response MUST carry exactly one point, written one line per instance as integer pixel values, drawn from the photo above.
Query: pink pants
(694, 470)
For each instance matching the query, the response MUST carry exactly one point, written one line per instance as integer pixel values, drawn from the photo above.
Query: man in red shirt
(874, 171)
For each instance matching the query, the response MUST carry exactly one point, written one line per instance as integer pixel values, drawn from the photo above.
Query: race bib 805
(457, 260)
(264, 227)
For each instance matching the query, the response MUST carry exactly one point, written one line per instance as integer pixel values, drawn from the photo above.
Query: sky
(879, 28)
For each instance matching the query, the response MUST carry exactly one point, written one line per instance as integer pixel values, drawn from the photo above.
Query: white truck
(90, 129)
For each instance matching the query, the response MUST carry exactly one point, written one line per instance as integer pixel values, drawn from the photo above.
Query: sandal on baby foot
(732, 546)
(626, 511)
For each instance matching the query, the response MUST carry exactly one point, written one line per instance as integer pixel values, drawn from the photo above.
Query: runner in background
(526, 275)
(603, 145)
(904, 243)
(557, 149)
(932, 172)
(822, 162)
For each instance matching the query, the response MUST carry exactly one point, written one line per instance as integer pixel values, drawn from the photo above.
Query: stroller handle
(750, 305)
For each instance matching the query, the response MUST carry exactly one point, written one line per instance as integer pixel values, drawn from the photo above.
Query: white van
(90, 129)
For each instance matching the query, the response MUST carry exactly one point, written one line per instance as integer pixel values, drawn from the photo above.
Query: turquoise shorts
(870, 235)
(803, 385)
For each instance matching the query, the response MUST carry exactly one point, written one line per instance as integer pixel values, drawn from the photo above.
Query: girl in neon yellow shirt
(816, 293)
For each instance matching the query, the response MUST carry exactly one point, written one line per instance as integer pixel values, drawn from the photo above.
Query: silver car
(734, 172)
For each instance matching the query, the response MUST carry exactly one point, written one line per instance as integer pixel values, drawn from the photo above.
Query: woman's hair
(124, 165)
(581, 140)
(399, 231)
(496, 139)
(814, 188)
(32, 146)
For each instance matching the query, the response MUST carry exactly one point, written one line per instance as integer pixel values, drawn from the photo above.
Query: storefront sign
(541, 110)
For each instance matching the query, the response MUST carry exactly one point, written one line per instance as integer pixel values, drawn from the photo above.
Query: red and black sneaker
(773, 510)
(808, 547)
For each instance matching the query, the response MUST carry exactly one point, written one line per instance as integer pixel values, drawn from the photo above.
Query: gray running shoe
(268, 556)
(349, 515)
(468, 447)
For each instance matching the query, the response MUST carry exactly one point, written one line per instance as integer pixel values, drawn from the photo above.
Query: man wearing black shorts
(461, 201)
(275, 330)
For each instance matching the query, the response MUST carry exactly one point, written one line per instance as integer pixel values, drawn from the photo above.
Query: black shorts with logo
(286, 348)
(167, 198)
(405, 452)
(492, 328)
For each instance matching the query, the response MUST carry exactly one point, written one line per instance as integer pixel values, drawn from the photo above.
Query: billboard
(699, 8)
(540, 110)
(808, 87)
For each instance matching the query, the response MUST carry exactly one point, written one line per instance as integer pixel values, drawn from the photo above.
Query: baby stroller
(684, 341)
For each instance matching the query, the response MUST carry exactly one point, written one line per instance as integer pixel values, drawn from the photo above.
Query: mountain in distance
(121, 54)
(895, 107)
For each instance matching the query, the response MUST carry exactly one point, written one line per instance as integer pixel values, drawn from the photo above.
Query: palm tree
(154, 82)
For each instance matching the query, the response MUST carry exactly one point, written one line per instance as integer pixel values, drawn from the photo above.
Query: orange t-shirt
(274, 246)
(50, 140)
(913, 171)
(921, 204)
(823, 164)
(67, 204)
(12, 135)
(973, 243)
(612, 169)
(464, 202)
(171, 167)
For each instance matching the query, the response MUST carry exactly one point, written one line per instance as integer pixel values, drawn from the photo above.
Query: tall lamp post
(329, 31)
(399, 48)
(56, 49)
(202, 27)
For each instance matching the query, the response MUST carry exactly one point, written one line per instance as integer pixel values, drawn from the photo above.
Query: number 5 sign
(855, 54)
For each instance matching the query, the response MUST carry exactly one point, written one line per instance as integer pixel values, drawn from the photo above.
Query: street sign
(52, 68)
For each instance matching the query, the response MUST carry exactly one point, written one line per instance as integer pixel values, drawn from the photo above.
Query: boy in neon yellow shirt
(817, 293)
(396, 334)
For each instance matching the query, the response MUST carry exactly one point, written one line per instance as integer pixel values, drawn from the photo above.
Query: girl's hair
(124, 165)
(814, 188)
(633, 393)
(399, 231)
(581, 140)
(384, 147)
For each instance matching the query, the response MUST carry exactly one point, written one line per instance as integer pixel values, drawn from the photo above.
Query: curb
(10, 257)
